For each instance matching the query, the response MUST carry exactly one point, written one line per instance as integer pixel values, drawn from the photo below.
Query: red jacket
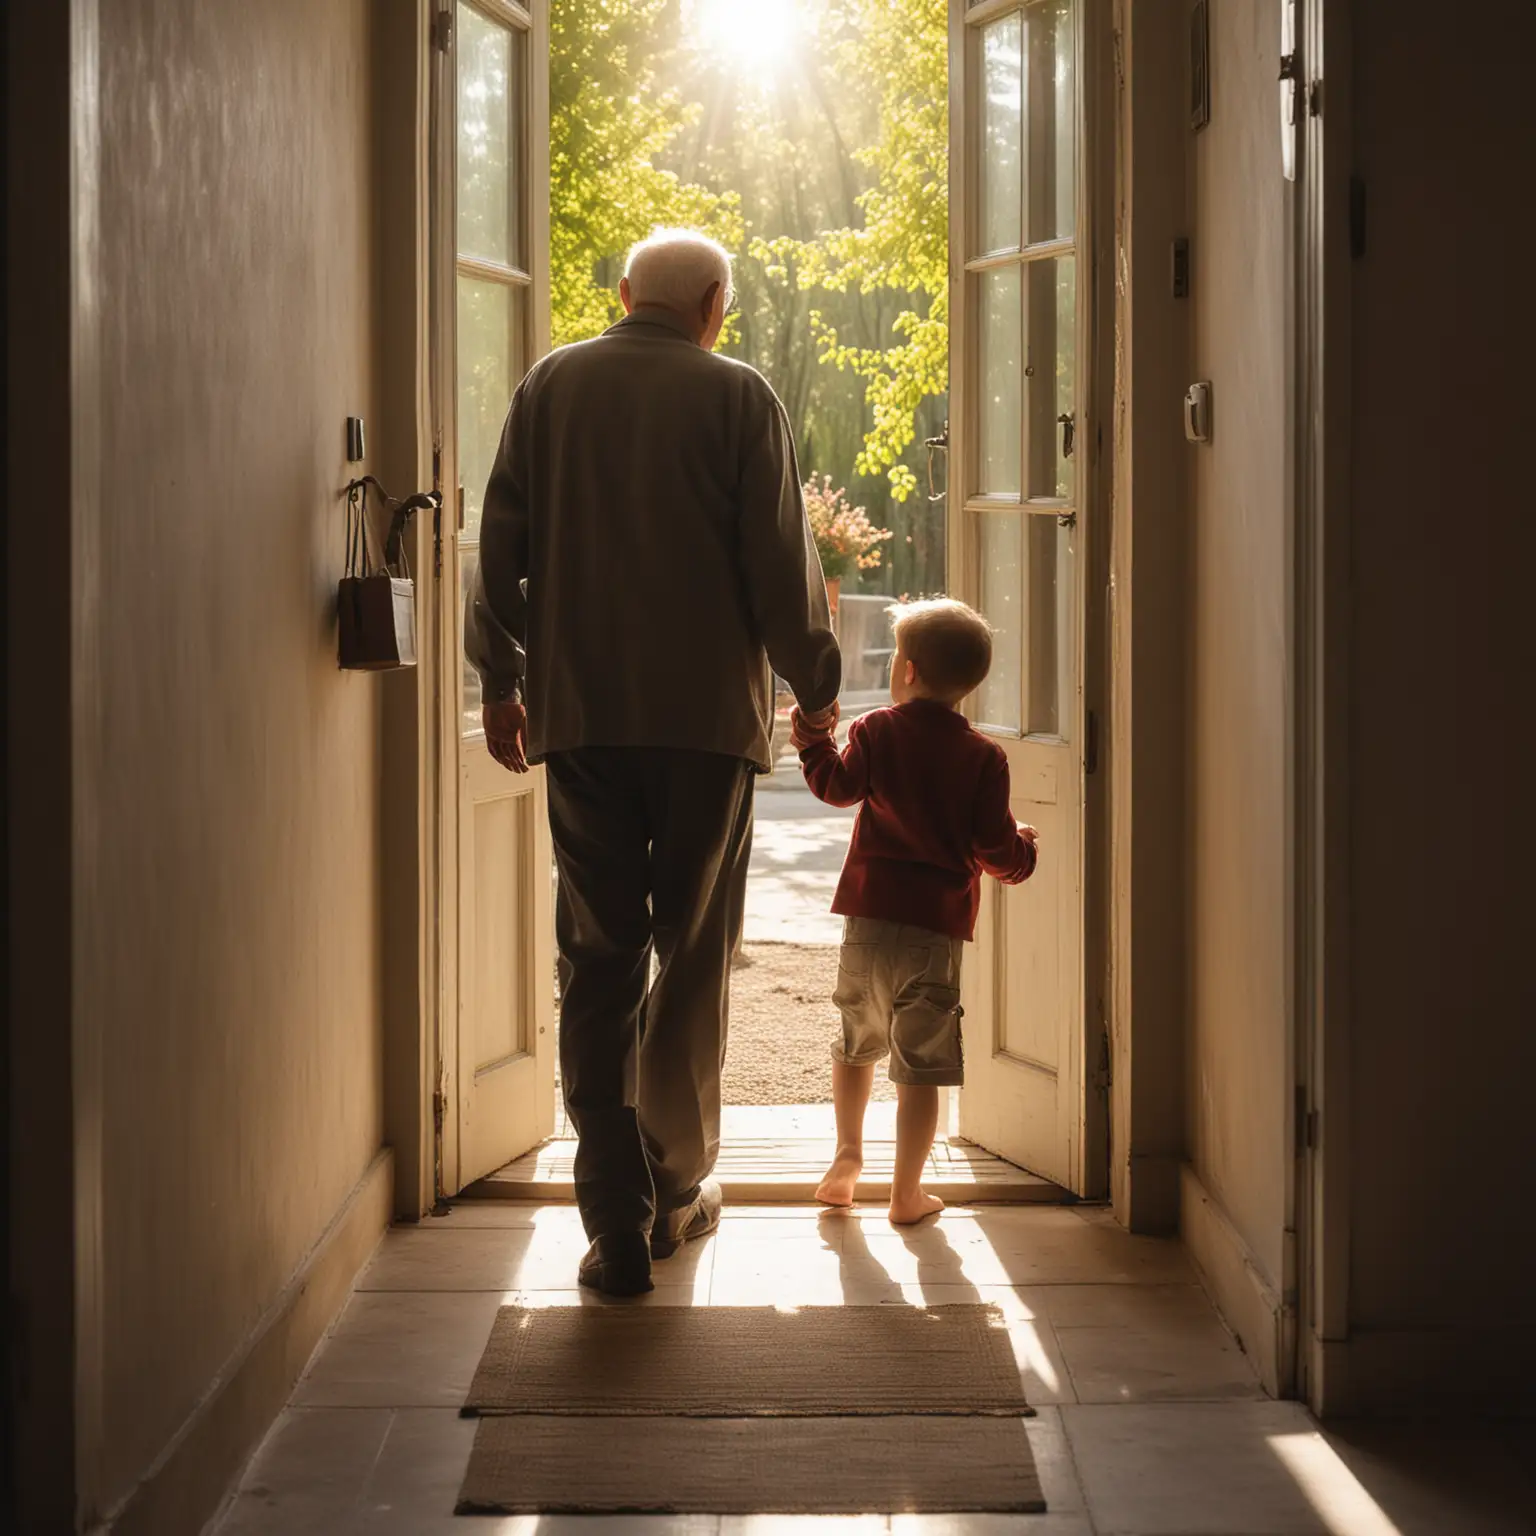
(933, 815)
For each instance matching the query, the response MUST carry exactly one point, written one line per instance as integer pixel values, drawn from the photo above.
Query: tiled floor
(1150, 1420)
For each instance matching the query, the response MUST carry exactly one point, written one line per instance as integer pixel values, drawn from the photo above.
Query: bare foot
(841, 1180)
(906, 1209)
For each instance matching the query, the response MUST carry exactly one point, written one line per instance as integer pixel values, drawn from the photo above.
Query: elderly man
(645, 558)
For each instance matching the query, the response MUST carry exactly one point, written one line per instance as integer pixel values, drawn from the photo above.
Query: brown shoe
(697, 1219)
(617, 1265)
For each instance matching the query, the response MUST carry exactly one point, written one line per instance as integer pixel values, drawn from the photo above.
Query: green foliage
(897, 55)
(610, 123)
(653, 124)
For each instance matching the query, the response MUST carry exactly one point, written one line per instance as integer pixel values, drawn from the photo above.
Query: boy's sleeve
(1001, 849)
(838, 778)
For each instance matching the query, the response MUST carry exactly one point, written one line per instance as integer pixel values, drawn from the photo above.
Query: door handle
(939, 444)
(1068, 424)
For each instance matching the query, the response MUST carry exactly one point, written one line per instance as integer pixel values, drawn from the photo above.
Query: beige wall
(229, 871)
(1442, 764)
(1239, 626)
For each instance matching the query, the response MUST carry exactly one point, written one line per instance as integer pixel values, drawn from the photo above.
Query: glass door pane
(1052, 95)
(1001, 223)
(1001, 335)
(1000, 540)
(491, 296)
(1049, 555)
(489, 366)
(489, 143)
(1051, 371)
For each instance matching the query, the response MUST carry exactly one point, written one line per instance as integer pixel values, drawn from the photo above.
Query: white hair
(676, 268)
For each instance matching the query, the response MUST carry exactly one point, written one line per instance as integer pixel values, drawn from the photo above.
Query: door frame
(442, 655)
(1320, 724)
(1095, 334)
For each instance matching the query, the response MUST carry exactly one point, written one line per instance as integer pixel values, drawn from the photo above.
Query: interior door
(1017, 549)
(497, 1044)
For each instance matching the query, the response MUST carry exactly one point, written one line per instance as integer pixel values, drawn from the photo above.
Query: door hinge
(1306, 1123)
(439, 1108)
(442, 31)
(1091, 745)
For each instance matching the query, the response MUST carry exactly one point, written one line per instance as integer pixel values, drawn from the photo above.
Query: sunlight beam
(752, 38)
(1333, 1491)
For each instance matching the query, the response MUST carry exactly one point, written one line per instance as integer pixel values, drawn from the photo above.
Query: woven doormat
(563, 1464)
(738, 1362)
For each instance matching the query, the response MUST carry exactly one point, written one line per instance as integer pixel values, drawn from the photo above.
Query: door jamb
(1320, 727)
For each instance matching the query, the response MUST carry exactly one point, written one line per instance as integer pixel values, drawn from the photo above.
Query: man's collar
(652, 314)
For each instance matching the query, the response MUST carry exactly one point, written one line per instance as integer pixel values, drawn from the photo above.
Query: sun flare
(754, 37)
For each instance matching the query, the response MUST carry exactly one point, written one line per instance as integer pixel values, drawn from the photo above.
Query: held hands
(805, 728)
(506, 734)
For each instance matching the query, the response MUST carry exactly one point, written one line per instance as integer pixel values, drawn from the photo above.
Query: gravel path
(782, 1023)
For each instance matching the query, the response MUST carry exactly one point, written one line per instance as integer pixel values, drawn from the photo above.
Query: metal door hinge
(442, 30)
(439, 1108)
(1306, 1123)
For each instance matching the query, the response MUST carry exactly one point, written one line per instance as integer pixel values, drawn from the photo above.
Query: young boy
(933, 815)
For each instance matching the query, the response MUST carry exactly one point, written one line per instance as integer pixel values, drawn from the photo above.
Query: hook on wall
(399, 509)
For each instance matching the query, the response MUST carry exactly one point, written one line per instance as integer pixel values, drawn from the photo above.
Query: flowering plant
(846, 540)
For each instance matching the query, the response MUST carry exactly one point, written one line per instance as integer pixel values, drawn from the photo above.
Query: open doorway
(905, 192)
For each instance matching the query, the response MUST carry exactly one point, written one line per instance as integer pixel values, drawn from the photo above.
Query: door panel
(498, 1044)
(1016, 532)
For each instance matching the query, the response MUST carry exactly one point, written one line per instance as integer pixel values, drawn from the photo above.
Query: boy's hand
(1029, 834)
(805, 728)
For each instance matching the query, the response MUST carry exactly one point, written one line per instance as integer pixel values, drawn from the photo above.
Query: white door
(497, 1041)
(1018, 479)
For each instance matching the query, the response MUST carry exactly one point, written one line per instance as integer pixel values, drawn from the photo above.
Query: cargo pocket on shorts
(928, 1010)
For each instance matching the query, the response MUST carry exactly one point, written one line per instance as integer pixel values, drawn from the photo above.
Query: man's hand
(506, 734)
(805, 728)
(1029, 835)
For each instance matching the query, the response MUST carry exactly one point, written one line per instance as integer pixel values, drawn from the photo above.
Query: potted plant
(846, 541)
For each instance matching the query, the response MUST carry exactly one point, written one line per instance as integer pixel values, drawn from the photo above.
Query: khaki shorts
(898, 989)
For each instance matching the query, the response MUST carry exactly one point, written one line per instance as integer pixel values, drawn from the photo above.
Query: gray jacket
(645, 554)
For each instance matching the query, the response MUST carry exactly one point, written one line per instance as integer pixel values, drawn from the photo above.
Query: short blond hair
(947, 641)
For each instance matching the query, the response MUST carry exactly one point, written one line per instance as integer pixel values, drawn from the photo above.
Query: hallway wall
(1236, 1049)
(229, 856)
(1442, 760)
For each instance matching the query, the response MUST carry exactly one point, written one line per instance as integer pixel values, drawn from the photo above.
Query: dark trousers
(652, 847)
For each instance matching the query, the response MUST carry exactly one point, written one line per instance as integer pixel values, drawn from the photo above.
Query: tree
(898, 55)
(610, 123)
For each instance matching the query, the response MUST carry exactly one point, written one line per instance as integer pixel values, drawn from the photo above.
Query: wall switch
(1197, 412)
(354, 439)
